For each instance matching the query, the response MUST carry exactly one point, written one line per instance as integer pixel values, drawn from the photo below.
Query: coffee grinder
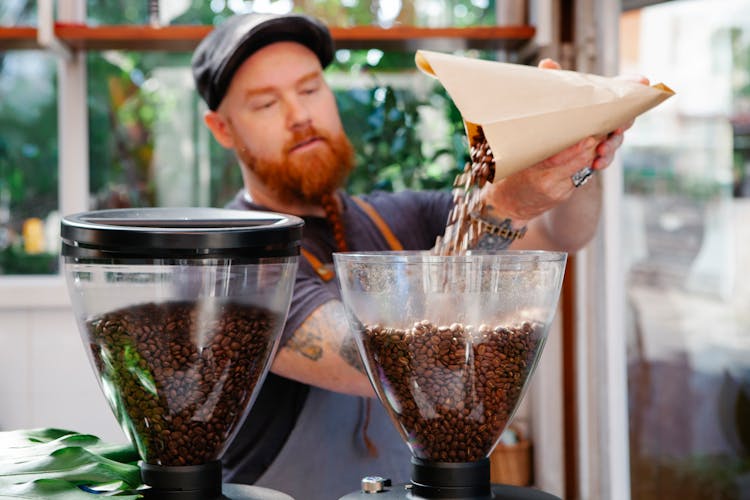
(449, 344)
(180, 311)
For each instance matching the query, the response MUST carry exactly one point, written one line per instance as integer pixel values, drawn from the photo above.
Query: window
(148, 145)
(686, 170)
(28, 154)
(28, 163)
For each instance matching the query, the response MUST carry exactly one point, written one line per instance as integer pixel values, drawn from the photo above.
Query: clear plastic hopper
(180, 311)
(449, 344)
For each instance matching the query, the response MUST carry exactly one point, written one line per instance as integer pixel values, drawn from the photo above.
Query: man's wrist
(497, 234)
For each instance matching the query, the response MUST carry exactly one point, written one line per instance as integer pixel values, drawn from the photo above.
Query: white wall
(45, 377)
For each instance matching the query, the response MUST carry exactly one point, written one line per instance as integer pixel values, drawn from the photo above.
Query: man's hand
(531, 192)
(534, 191)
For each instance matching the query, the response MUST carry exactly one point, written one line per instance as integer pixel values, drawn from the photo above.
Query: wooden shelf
(18, 38)
(129, 37)
(411, 37)
(187, 37)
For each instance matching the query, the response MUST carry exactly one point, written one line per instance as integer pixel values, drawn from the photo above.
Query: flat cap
(223, 51)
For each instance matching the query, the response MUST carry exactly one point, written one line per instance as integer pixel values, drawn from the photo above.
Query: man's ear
(219, 127)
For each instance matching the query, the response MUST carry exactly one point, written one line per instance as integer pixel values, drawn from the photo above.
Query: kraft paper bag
(528, 114)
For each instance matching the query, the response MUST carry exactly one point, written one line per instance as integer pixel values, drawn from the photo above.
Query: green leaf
(54, 489)
(38, 442)
(53, 463)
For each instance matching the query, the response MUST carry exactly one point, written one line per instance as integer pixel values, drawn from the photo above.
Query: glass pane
(148, 144)
(150, 147)
(406, 131)
(343, 13)
(28, 163)
(18, 13)
(687, 171)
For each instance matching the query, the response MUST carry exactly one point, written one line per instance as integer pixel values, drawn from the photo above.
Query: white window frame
(602, 385)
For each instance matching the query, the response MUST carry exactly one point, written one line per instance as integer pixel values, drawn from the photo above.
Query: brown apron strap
(380, 223)
(324, 271)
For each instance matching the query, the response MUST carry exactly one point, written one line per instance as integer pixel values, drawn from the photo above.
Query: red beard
(304, 176)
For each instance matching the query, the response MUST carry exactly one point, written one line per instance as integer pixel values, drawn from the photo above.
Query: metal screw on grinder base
(375, 484)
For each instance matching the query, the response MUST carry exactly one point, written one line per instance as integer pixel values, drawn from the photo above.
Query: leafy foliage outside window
(28, 161)
(383, 123)
(457, 13)
(382, 119)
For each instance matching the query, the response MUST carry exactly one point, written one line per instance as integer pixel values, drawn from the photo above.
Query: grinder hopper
(449, 344)
(180, 311)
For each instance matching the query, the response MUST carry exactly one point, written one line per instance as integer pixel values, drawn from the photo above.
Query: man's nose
(298, 113)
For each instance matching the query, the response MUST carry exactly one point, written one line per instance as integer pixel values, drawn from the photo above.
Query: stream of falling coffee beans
(462, 229)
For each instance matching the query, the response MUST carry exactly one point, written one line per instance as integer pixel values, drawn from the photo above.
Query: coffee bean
(453, 388)
(462, 229)
(179, 374)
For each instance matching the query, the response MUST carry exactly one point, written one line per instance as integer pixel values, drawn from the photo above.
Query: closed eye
(310, 89)
(310, 84)
(259, 104)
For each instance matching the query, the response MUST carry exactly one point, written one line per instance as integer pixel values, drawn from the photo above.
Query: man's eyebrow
(250, 93)
(313, 75)
(270, 89)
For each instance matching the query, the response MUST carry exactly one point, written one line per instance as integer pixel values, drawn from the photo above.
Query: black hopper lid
(180, 233)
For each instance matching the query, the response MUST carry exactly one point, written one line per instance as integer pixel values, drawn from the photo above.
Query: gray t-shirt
(277, 444)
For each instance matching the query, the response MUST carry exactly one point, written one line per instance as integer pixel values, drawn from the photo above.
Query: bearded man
(314, 430)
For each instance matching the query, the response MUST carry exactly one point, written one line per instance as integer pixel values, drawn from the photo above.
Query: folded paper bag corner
(663, 87)
(421, 61)
(528, 113)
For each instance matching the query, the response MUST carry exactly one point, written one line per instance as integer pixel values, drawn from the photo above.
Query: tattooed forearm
(341, 337)
(326, 328)
(349, 353)
(309, 338)
(306, 343)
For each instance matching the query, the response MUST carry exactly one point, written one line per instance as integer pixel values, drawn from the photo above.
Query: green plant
(64, 465)
(13, 260)
(384, 125)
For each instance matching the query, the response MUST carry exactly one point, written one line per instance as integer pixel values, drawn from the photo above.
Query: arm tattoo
(350, 354)
(347, 346)
(326, 326)
(306, 341)
(497, 236)
(488, 241)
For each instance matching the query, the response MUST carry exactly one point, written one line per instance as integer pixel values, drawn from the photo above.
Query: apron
(337, 439)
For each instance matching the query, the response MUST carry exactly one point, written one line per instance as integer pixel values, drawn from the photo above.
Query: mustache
(305, 134)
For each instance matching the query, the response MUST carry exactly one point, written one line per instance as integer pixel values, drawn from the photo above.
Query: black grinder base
(198, 482)
(451, 481)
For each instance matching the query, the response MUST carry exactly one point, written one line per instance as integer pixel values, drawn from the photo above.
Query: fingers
(548, 63)
(596, 151)
(634, 78)
(610, 145)
(623, 128)
(569, 154)
(605, 151)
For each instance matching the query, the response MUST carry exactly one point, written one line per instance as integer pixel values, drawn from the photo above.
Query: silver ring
(582, 176)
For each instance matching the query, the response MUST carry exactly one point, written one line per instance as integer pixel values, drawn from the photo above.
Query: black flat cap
(218, 56)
